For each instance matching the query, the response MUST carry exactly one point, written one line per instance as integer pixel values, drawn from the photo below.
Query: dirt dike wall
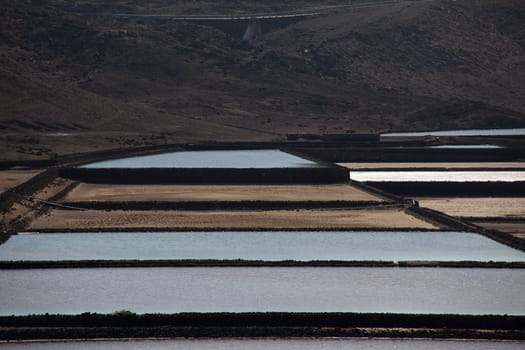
(32, 164)
(452, 189)
(156, 332)
(422, 154)
(42, 264)
(26, 189)
(225, 205)
(125, 324)
(320, 175)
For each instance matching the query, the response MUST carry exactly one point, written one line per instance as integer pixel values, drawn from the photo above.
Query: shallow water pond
(471, 132)
(466, 147)
(264, 289)
(269, 246)
(210, 159)
(273, 344)
(441, 176)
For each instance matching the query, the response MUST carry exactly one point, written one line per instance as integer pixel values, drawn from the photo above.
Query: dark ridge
(451, 189)
(505, 219)
(270, 319)
(14, 265)
(125, 324)
(230, 205)
(415, 154)
(31, 164)
(126, 332)
(316, 175)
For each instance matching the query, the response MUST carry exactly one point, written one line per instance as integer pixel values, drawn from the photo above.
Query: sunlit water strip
(210, 159)
(471, 132)
(466, 147)
(441, 176)
(263, 289)
(272, 344)
(260, 245)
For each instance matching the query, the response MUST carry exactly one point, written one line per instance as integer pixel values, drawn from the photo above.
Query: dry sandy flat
(516, 229)
(494, 165)
(92, 192)
(12, 178)
(91, 219)
(477, 207)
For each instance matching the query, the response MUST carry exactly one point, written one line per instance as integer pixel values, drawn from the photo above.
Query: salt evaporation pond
(264, 289)
(269, 246)
(441, 176)
(472, 132)
(260, 159)
(272, 344)
(466, 147)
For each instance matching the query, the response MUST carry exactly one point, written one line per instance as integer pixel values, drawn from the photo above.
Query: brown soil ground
(12, 178)
(477, 207)
(92, 192)
(513, 228)
(494, 165)
(279, 219)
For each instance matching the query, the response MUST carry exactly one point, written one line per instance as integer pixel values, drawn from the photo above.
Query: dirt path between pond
(476, 207)
(93, 192)
(277, 219)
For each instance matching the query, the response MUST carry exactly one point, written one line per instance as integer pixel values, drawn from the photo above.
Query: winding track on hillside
(309, 12)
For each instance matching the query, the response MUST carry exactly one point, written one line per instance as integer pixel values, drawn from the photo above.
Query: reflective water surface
(451, 176)
(261, 289)
(210, 159)
(467, 146)
(472, 132)
(270, 246)
(273, 344)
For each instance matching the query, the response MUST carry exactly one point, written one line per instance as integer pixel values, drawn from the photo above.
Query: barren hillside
(77, 76)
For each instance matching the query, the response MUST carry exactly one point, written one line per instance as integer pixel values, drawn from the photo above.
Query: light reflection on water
(466, 146)
(432, 176)
(273, 344)
(270, 246)
(261, 289)
(472, 132)
(210, 159)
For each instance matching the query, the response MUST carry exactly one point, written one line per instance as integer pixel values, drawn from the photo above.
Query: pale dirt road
(476, 207)
(278, 219)
(93, 192)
